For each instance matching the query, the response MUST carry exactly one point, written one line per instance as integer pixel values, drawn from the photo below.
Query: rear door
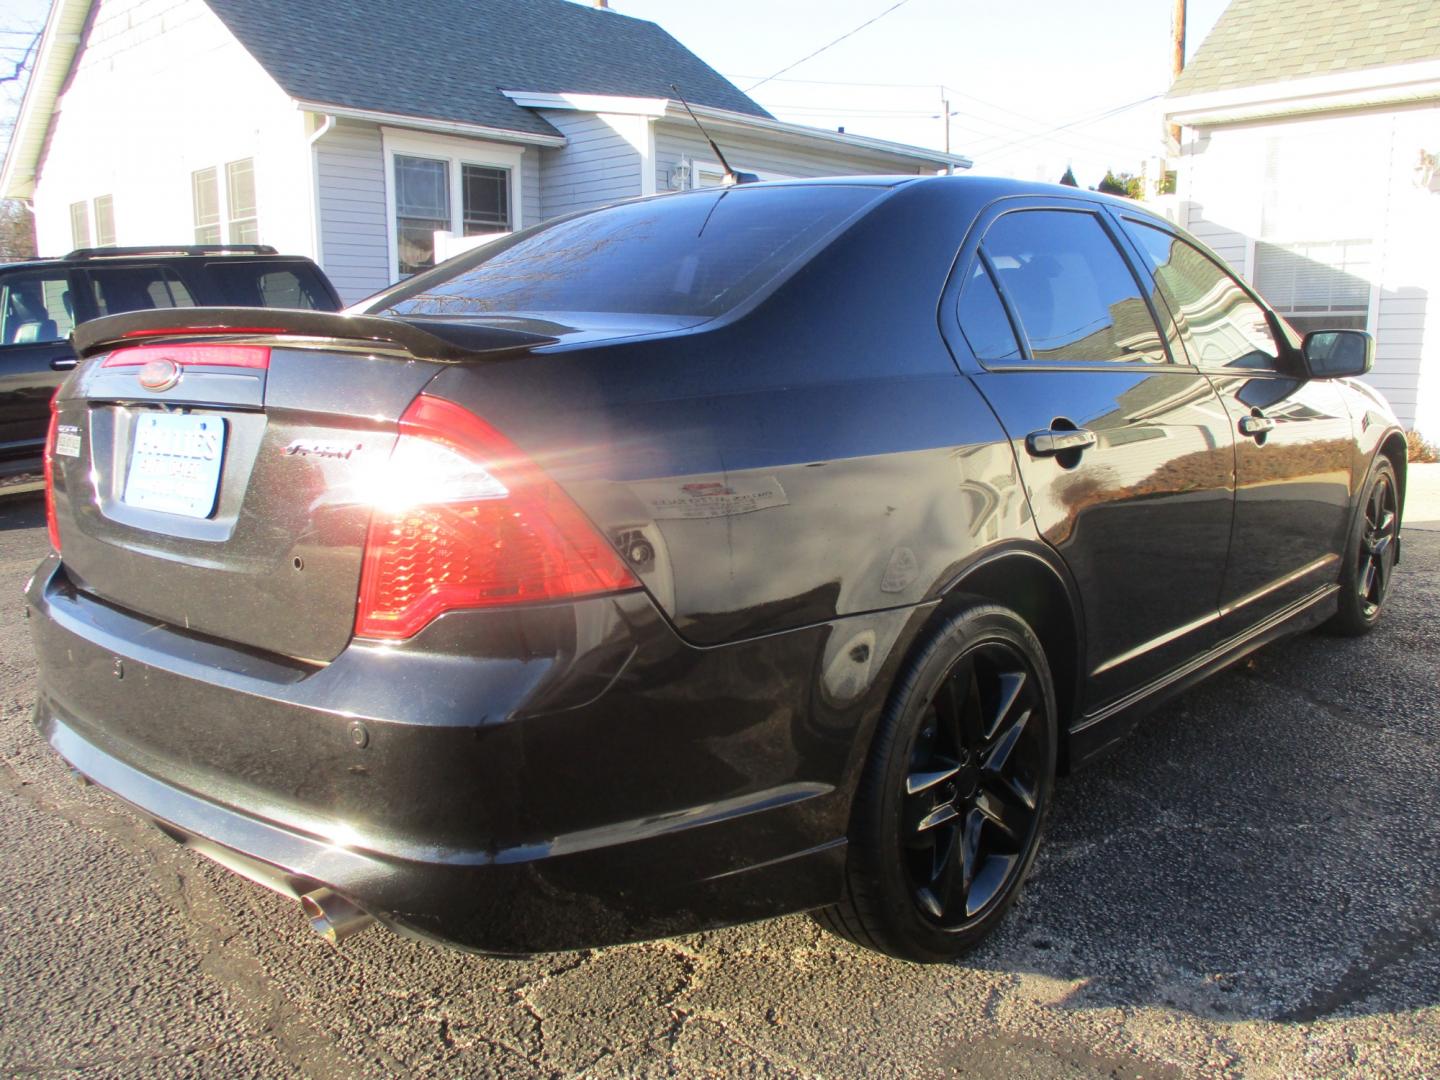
(1293, 436)
(1125, 451)
(35, 325)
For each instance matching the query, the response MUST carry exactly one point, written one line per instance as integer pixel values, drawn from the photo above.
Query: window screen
(240, 201)
(205, 199)
(1225, 327)
(486, 199)
(1073, 293)
(105, 221)
(422, 208)
(693, 254)
(80, 224)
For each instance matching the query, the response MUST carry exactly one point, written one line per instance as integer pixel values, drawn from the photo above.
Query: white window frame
(455, 152)
(222, 199)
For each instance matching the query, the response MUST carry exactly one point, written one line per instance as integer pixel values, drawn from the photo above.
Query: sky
(1026, 79)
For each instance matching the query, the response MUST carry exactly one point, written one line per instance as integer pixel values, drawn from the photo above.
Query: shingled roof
(1266, 41)
(450, 59)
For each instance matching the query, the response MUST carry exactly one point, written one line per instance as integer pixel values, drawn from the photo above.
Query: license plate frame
(175, 463)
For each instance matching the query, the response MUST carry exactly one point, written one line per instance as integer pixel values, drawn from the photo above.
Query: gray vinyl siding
(354, 245)
(595, 166)
(354, 250)
(780, 157)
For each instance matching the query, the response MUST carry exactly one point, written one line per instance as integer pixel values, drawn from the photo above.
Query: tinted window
(136, 288)
(982, 318)
(696, 254)
(35, 308)
(250, 284)
(1073, 293)
(1224, 327)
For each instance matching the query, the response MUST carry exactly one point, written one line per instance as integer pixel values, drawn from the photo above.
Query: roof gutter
(424, 123)
(58, 44)
(727, 118)
(1399, 84)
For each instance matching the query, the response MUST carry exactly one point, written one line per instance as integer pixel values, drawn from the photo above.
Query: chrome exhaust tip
(332, 916)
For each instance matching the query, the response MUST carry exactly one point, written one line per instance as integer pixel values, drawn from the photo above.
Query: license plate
(175, 463)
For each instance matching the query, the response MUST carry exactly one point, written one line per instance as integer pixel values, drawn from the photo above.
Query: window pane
(700, 253)
(205, 198)
(105, 221)
(422, 208)
(250, 285)
(137, 288)
(982, 317)
(486, 199)
(80, 224)
(35, 308)
(1226, 328)
(1075, 297)
(240, 201)
(1315, 277)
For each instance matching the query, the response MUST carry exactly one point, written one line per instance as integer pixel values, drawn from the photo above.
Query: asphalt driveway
(1249, 886)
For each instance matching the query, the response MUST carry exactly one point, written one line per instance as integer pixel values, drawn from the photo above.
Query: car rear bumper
(604, 783)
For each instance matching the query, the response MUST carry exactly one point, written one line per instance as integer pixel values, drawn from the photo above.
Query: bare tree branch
(23, 62)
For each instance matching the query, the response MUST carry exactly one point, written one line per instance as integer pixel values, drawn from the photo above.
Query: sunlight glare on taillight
(462, 519)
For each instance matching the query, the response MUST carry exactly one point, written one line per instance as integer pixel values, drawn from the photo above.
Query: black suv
(42, 300)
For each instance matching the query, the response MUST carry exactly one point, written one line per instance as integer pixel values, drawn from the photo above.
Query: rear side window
(250, 284)
(697, 254)
(35, 308)
(983, 320)
(1223, 326)
(1072, 291)
(136, 288)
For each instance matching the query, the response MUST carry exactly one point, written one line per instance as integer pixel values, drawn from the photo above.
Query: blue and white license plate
(175, 463)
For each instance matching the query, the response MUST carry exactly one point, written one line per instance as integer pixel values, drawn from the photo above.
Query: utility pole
(1177, 54)
(945, 112)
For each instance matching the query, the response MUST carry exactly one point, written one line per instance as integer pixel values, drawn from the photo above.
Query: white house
(1311, 131)
(368, 134)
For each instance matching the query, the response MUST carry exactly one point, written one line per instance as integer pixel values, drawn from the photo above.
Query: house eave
(1400, 84)
(727, 119)
(426, 123)
(58, 44)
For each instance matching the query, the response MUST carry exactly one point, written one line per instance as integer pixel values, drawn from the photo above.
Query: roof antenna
(731, 176)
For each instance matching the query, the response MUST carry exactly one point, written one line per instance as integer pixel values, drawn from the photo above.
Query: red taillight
(51, 525)
(241, 356)
(463, 519)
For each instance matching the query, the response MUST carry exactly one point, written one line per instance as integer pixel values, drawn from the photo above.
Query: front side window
(698, 254)
(80, 224)
(1224, 326)
(1071, 290)
(35, 308)
(422, 208)
(240, 202)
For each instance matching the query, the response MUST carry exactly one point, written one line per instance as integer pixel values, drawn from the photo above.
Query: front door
(1293, 437)
(1125, 451)
(35, 325)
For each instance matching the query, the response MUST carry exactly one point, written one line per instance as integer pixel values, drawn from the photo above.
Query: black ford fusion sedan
(693, 560)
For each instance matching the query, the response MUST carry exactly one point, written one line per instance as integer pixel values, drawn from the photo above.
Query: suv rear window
(700, 254)
(136, 288)
(248, 284)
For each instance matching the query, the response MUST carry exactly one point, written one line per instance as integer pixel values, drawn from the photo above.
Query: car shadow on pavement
(24, 511)
(1263, 847)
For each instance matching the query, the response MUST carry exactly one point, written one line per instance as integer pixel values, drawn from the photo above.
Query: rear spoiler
(435, 340)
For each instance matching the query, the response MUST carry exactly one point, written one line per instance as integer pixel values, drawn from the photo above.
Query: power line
(842, 37)
(1072, 124)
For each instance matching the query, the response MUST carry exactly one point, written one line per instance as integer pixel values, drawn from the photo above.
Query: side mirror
(1338, 354)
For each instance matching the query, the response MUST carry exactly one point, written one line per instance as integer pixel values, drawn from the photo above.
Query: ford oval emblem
(159, 375)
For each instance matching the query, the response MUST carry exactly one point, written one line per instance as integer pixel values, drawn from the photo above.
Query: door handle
(1051, 441)
(1256, 425)
(63, 363)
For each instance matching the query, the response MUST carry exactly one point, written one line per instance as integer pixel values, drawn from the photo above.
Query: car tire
(1370, 554)
(953, 798)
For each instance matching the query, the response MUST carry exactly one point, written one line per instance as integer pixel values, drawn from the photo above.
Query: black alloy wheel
(1370, 560)
(952, 802)
(972, 793)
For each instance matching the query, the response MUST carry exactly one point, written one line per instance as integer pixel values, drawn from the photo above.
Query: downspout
(327, 123)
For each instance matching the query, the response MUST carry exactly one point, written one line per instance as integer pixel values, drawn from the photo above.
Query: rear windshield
(258, 284)
(700, 254)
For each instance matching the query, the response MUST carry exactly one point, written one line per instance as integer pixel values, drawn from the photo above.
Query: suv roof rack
(172, 249)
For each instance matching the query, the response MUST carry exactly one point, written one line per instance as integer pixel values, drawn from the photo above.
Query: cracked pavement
(1247, 886)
